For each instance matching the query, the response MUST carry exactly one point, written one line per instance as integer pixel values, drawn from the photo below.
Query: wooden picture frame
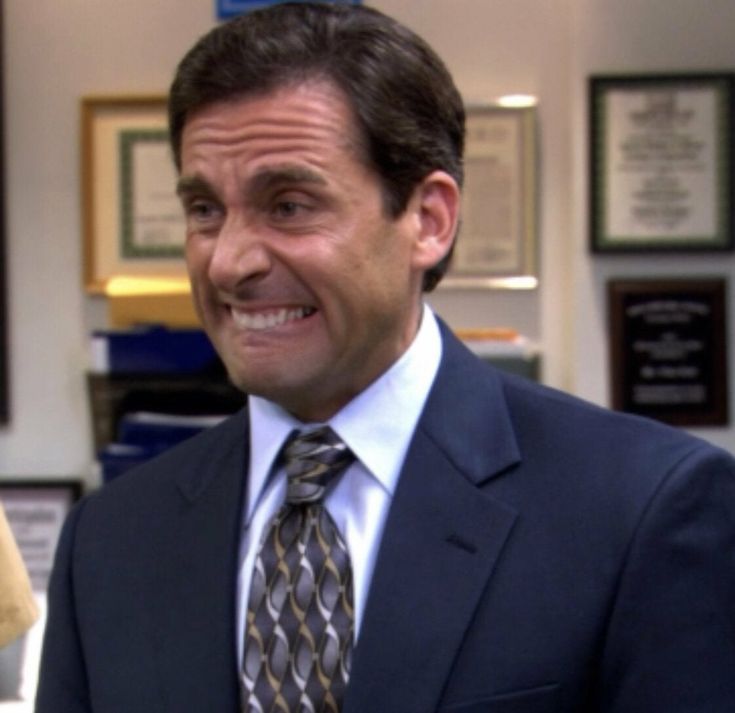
(496, 246)
(133, 225)
(661, 162)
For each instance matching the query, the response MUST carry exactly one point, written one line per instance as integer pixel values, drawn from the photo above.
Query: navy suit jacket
(540, 554)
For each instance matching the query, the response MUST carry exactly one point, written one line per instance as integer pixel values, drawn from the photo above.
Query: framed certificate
(496, 246)
(36, 510)
(661, 162)
(668, 349)
(133, 223)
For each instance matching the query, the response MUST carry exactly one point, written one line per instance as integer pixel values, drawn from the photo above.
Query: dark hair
(408, 109)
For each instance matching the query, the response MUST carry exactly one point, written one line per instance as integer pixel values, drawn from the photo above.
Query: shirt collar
(377, 424)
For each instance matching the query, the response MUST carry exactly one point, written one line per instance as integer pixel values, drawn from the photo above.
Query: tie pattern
(299, 627)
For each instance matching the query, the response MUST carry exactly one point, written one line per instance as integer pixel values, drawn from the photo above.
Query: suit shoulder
(617, 438)
(551, 432)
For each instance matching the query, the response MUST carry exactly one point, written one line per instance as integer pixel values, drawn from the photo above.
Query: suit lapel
(441, 542)
(195, 612)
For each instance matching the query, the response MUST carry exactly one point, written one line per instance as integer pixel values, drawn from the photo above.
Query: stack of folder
(143, 435)
(155, 419)
(152, 349)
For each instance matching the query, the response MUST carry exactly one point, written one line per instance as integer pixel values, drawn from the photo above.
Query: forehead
(309, 111)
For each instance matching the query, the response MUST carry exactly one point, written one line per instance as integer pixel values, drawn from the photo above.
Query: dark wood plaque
(668, 350)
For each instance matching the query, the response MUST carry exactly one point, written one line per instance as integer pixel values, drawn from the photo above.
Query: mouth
(260, 321)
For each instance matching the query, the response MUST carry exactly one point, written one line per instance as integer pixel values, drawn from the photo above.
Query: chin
(268, 386)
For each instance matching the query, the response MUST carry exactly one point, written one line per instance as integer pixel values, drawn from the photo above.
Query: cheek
(197, 266)
(197, 261)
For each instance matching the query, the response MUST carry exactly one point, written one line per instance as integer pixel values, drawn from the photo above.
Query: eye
(201, 209)
(202, 213)
(287, 208)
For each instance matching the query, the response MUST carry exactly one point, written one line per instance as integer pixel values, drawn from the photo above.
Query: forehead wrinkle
(300, 121)
(255, 137)
(271, 145)
(292, 120)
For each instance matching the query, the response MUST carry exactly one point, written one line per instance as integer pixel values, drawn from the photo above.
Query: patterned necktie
(298, 632)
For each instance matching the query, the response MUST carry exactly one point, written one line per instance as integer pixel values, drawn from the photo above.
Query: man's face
(307, 289)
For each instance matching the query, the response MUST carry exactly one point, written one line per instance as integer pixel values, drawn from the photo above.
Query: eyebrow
(193, 184)
(263, 180)
(270, 176)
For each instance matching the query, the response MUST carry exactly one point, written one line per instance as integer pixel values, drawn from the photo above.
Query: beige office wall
(56, 52)
(638, 36)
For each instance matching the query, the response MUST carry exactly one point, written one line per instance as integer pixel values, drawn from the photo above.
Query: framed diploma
(661, 162)
(133, 224)
(668, 350)
(496, 246)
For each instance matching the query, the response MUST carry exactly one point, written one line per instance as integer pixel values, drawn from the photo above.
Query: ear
(436, 201)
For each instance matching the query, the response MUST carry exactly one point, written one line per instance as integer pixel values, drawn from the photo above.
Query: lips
(269, 319)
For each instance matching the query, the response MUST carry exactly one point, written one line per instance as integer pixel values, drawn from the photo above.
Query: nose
(239, 255)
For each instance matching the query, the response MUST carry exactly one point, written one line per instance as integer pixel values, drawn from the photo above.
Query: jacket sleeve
(670, 644)
(62, 684)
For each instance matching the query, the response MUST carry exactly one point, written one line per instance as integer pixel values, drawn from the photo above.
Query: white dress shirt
(377, 425)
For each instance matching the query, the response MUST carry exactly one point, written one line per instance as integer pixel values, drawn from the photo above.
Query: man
(512, 548)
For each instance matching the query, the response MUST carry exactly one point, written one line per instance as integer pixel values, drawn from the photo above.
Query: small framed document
(661, 162)
(668, 350)
(36, 510)
(133, 223)
(496, 246)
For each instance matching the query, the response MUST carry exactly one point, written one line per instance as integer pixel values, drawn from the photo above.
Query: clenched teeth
(260, 321)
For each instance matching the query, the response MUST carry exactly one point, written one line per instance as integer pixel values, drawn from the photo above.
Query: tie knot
(313, 460)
